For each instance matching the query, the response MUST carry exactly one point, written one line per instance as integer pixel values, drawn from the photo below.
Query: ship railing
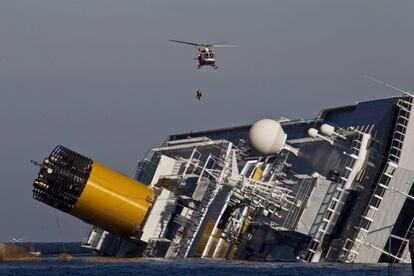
(207, 172)
(301, 198)
(368, 217)
(182, 245)
(140, 165)
(329, 216)
(404, 104)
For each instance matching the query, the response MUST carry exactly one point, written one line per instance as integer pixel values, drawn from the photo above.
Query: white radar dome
(327, 129)
(267, 137)
(313, 132)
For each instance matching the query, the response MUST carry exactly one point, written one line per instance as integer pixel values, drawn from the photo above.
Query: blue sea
(50, 266)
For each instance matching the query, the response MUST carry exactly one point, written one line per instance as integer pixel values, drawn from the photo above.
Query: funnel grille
(62, 178)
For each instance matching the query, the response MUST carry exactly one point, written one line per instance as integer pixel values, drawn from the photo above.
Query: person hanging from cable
(199, 94)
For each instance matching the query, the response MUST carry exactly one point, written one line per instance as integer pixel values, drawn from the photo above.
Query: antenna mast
(386, 84)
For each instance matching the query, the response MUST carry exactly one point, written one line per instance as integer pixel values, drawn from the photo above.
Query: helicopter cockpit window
(208, 55)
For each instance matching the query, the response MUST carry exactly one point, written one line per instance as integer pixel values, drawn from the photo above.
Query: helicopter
(205, 53)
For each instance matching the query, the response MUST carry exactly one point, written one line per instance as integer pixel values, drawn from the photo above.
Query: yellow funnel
(92, 192)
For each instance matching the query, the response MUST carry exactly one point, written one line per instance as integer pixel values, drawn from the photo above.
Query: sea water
(150, 266)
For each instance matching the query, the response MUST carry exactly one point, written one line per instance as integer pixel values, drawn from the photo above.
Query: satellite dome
(267, 137)
(313, 132)
(327, 129)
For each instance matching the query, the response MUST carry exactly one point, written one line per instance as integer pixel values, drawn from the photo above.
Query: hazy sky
(101, 77)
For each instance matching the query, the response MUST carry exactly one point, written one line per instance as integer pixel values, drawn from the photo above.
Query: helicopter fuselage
(205, 53)
(206, 57)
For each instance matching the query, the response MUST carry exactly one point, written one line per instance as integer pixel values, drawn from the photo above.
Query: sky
(101, 77)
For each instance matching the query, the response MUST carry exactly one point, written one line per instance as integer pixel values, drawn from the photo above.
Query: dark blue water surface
(197, 267)
(50, 266)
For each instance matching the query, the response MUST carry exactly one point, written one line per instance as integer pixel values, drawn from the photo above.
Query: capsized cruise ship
(338, 187)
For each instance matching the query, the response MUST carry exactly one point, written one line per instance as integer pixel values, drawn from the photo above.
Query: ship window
(375, 202)
(365, 224)
(350, 162)
(404, 113)
(400, 128)
(395, 152)
(360, 176)
(403, 121)
(397, 144)
(346, 174)
(348, 244)
(399, 136)
(328, 215)
(380, 191)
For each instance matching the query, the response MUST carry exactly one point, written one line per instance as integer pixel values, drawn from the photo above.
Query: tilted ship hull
(338, 187)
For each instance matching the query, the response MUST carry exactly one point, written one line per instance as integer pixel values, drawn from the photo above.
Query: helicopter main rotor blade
(218, 45)
(225, 46)
(222, 45)
(215, 44)
(185, 42)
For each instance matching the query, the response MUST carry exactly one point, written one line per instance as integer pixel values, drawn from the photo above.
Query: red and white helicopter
(205, 53)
